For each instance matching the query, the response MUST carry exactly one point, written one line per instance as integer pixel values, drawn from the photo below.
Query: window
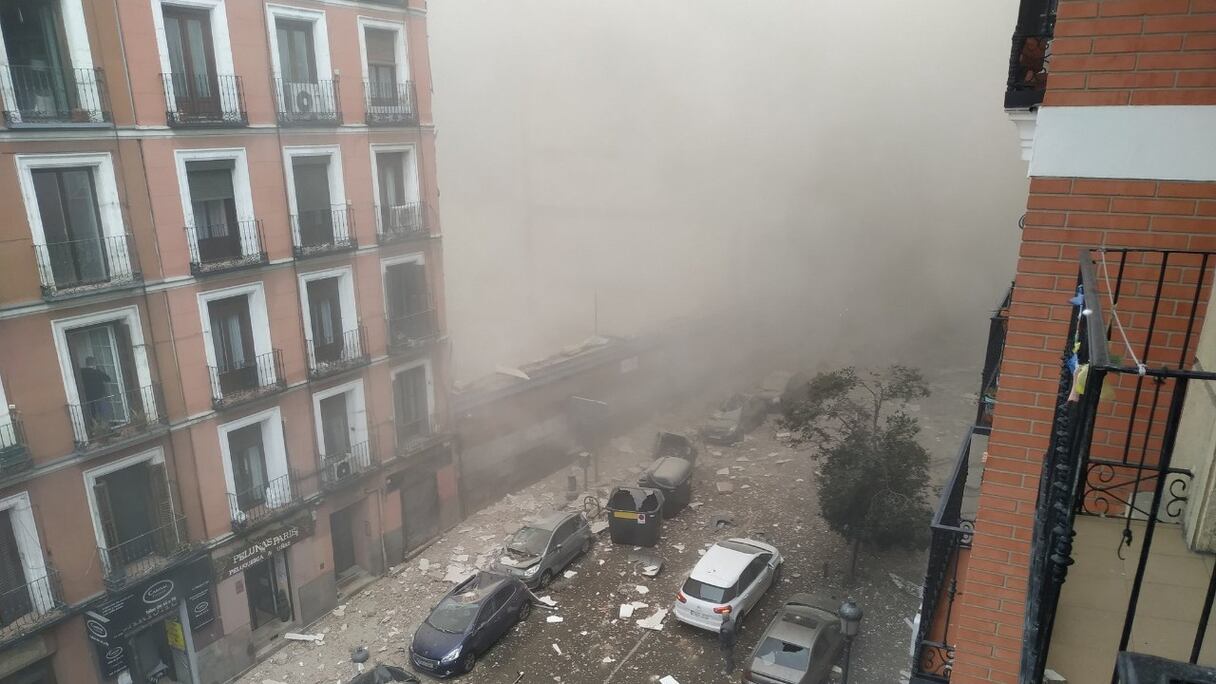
(325, 314)
(103, 364)
(49, 69)
(564, 531)
(232, 340)
(408, 302)
(191, 60)
(255, 466)
(248, 465)
(335, 425)
(315, 210)
(411, 401)
(213, 205)
(135, 510)
(236, 340)
(708, 592)
(297, 57)
(306, 88)
(15, 601)
(397, 192)
(382, 75)
(71, 222)
(24, 586)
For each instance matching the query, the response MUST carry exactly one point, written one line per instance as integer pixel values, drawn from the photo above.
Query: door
(129, 515)
(213, 202)
(248, 458)
(343, 536)
(14, 594)
(335, 425)
(325, 313)
(390, 176)
(76, 250)
(563, 537)
(40, 77)
(408, 302)
(314, 210)
(192, 61)
(154, 657)
(267, 592)
(297, 61)
(99, 359)
(232, 338)
(411, 405)
(420, 508)
(381, 67)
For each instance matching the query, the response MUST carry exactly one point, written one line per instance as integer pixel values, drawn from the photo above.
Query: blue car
(467, 622)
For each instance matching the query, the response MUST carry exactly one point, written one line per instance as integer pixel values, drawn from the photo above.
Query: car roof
(724, 562)
(477, 587)
(551, 521)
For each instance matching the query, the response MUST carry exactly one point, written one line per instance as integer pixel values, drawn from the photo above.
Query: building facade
(1074, 539)
(222, 351)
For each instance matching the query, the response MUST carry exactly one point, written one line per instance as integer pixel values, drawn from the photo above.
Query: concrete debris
(546, 600)
(910, 588)
(716, 453)
(608, 659)
(625, 612)
(746, 487)
(774, 453)
(722, 519)
(642, 589)
(654, 622)
(723, 471)
(569, 573)
(557, 649)
(783, 435)
(726, 487)
(669, 680)
(295, 636)
(743, 459)
(271, 681)
(695, 505)
(461, 558)
(457, 573)
(782, 461)
(487, 537)
(554, 618)
(424, 564)
(599, 526)
(678, 547)
(340, 611)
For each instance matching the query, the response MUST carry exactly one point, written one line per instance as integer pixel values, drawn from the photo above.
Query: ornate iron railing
(204, 100)
(224, 248)
(1029, 57)
(410, 331)
(345, 351)
(75, 266)
(14, 450)
(390, 104)
(123, 415)
(24, 608)
(239, 383)
(145, 554)
(263, 501)
(40, 96)
(401, 222)
(340, 469)
(316, 232)
(305, 103)
(413, 433)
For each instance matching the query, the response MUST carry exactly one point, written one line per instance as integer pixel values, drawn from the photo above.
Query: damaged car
(728, 580)
(537, 552)
(470, 619)
(799, 646)
(741, 414)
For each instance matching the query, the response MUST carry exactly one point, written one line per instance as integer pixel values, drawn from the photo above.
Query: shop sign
(199, 606)
(264, 547)
(110, 622)
(113, 659)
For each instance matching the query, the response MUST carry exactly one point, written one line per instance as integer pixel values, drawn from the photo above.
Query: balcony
(262, 502)
(1030, 55)
(401, 222)
(79, 267)
(323, 231)
(414, 434)
(121, 418)
(346, 351)
(204, 101)
(412, 331)
(390, 104)
(26, 608)
(145, 554)
(241, 383)
(14, 450)
(44, 97)
(343, 469)
(308, 104)
(221, 249)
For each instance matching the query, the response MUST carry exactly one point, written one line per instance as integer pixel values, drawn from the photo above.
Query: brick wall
(1065, 216)
(1138, 52)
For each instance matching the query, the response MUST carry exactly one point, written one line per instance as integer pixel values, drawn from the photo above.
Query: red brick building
(1091, 535)
(222, 358)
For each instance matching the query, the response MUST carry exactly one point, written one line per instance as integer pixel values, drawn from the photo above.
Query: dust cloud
(828, 175)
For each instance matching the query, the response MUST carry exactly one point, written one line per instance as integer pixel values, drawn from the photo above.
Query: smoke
(832, 177)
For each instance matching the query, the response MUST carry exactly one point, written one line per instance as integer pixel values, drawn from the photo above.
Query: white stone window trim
(413, 187)
(4, 407)
(346, 296)
(29, 547)
(401, 51)
(356, 412)
(337, 187)
(430, 388)
(274, 450)
(259, 321)
(414, 258)
(221, 47)
(240, 187)
(155, 456)
(320, 38)
(80, 55)
(143, 373)
(108, 205)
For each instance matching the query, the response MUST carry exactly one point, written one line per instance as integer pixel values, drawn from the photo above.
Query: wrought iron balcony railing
(390, 104)
(204, 100)
(42, 96)
(145, 554)
(346, 467)
(123, 415)
(14, 450)
(238, 383)
(25, 607)
(413, 432)
(317, 232)
(410, 331)
(1030, 55)
(345, 351)
(263, 501)
(228, 247)
(78, 266)
(401, 222)
(303, 104)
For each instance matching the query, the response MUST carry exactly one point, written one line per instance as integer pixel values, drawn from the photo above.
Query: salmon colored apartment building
(1074, 540)
(222, 352)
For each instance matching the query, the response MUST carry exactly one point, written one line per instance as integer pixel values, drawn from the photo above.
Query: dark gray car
(537, 552)
(799, 646)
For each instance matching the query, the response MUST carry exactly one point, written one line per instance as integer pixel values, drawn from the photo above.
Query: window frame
(337, 186)
(274, 449)
(425, 363)
(259, 320)
(29, 544)
(320, 37)
(346, 296)
(79, 53)
(356, 412)
(151, 457)
(412, 180)
(241, 188)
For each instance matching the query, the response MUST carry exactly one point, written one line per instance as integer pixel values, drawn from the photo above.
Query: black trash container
(673, 477)
(674, 444)
(635, 515)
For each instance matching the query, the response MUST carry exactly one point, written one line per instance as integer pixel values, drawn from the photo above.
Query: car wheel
(545, 578)
(467, 663)
(586, 546)
(524, 611)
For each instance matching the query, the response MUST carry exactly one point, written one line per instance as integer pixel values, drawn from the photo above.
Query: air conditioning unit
(301, 98)
(340, 468)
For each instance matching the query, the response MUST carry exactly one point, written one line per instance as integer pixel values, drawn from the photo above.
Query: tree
(874, 476)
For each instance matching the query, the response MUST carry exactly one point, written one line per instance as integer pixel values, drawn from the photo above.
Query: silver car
(728, 580)
(537, 552)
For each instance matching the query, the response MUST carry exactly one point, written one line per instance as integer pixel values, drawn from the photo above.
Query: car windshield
(775, 652)
(453, 615)
(708, 592)
(530, 540)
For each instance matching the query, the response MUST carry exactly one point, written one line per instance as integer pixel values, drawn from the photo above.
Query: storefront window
(269, 591)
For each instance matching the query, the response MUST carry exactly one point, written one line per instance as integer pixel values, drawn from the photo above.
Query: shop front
(261, 566)
(145, 633)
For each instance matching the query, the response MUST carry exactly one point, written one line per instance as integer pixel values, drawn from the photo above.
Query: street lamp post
(850, 621)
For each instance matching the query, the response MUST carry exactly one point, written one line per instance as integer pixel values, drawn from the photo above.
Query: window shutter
(381, 46)
(416, 288)
(105, 514)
